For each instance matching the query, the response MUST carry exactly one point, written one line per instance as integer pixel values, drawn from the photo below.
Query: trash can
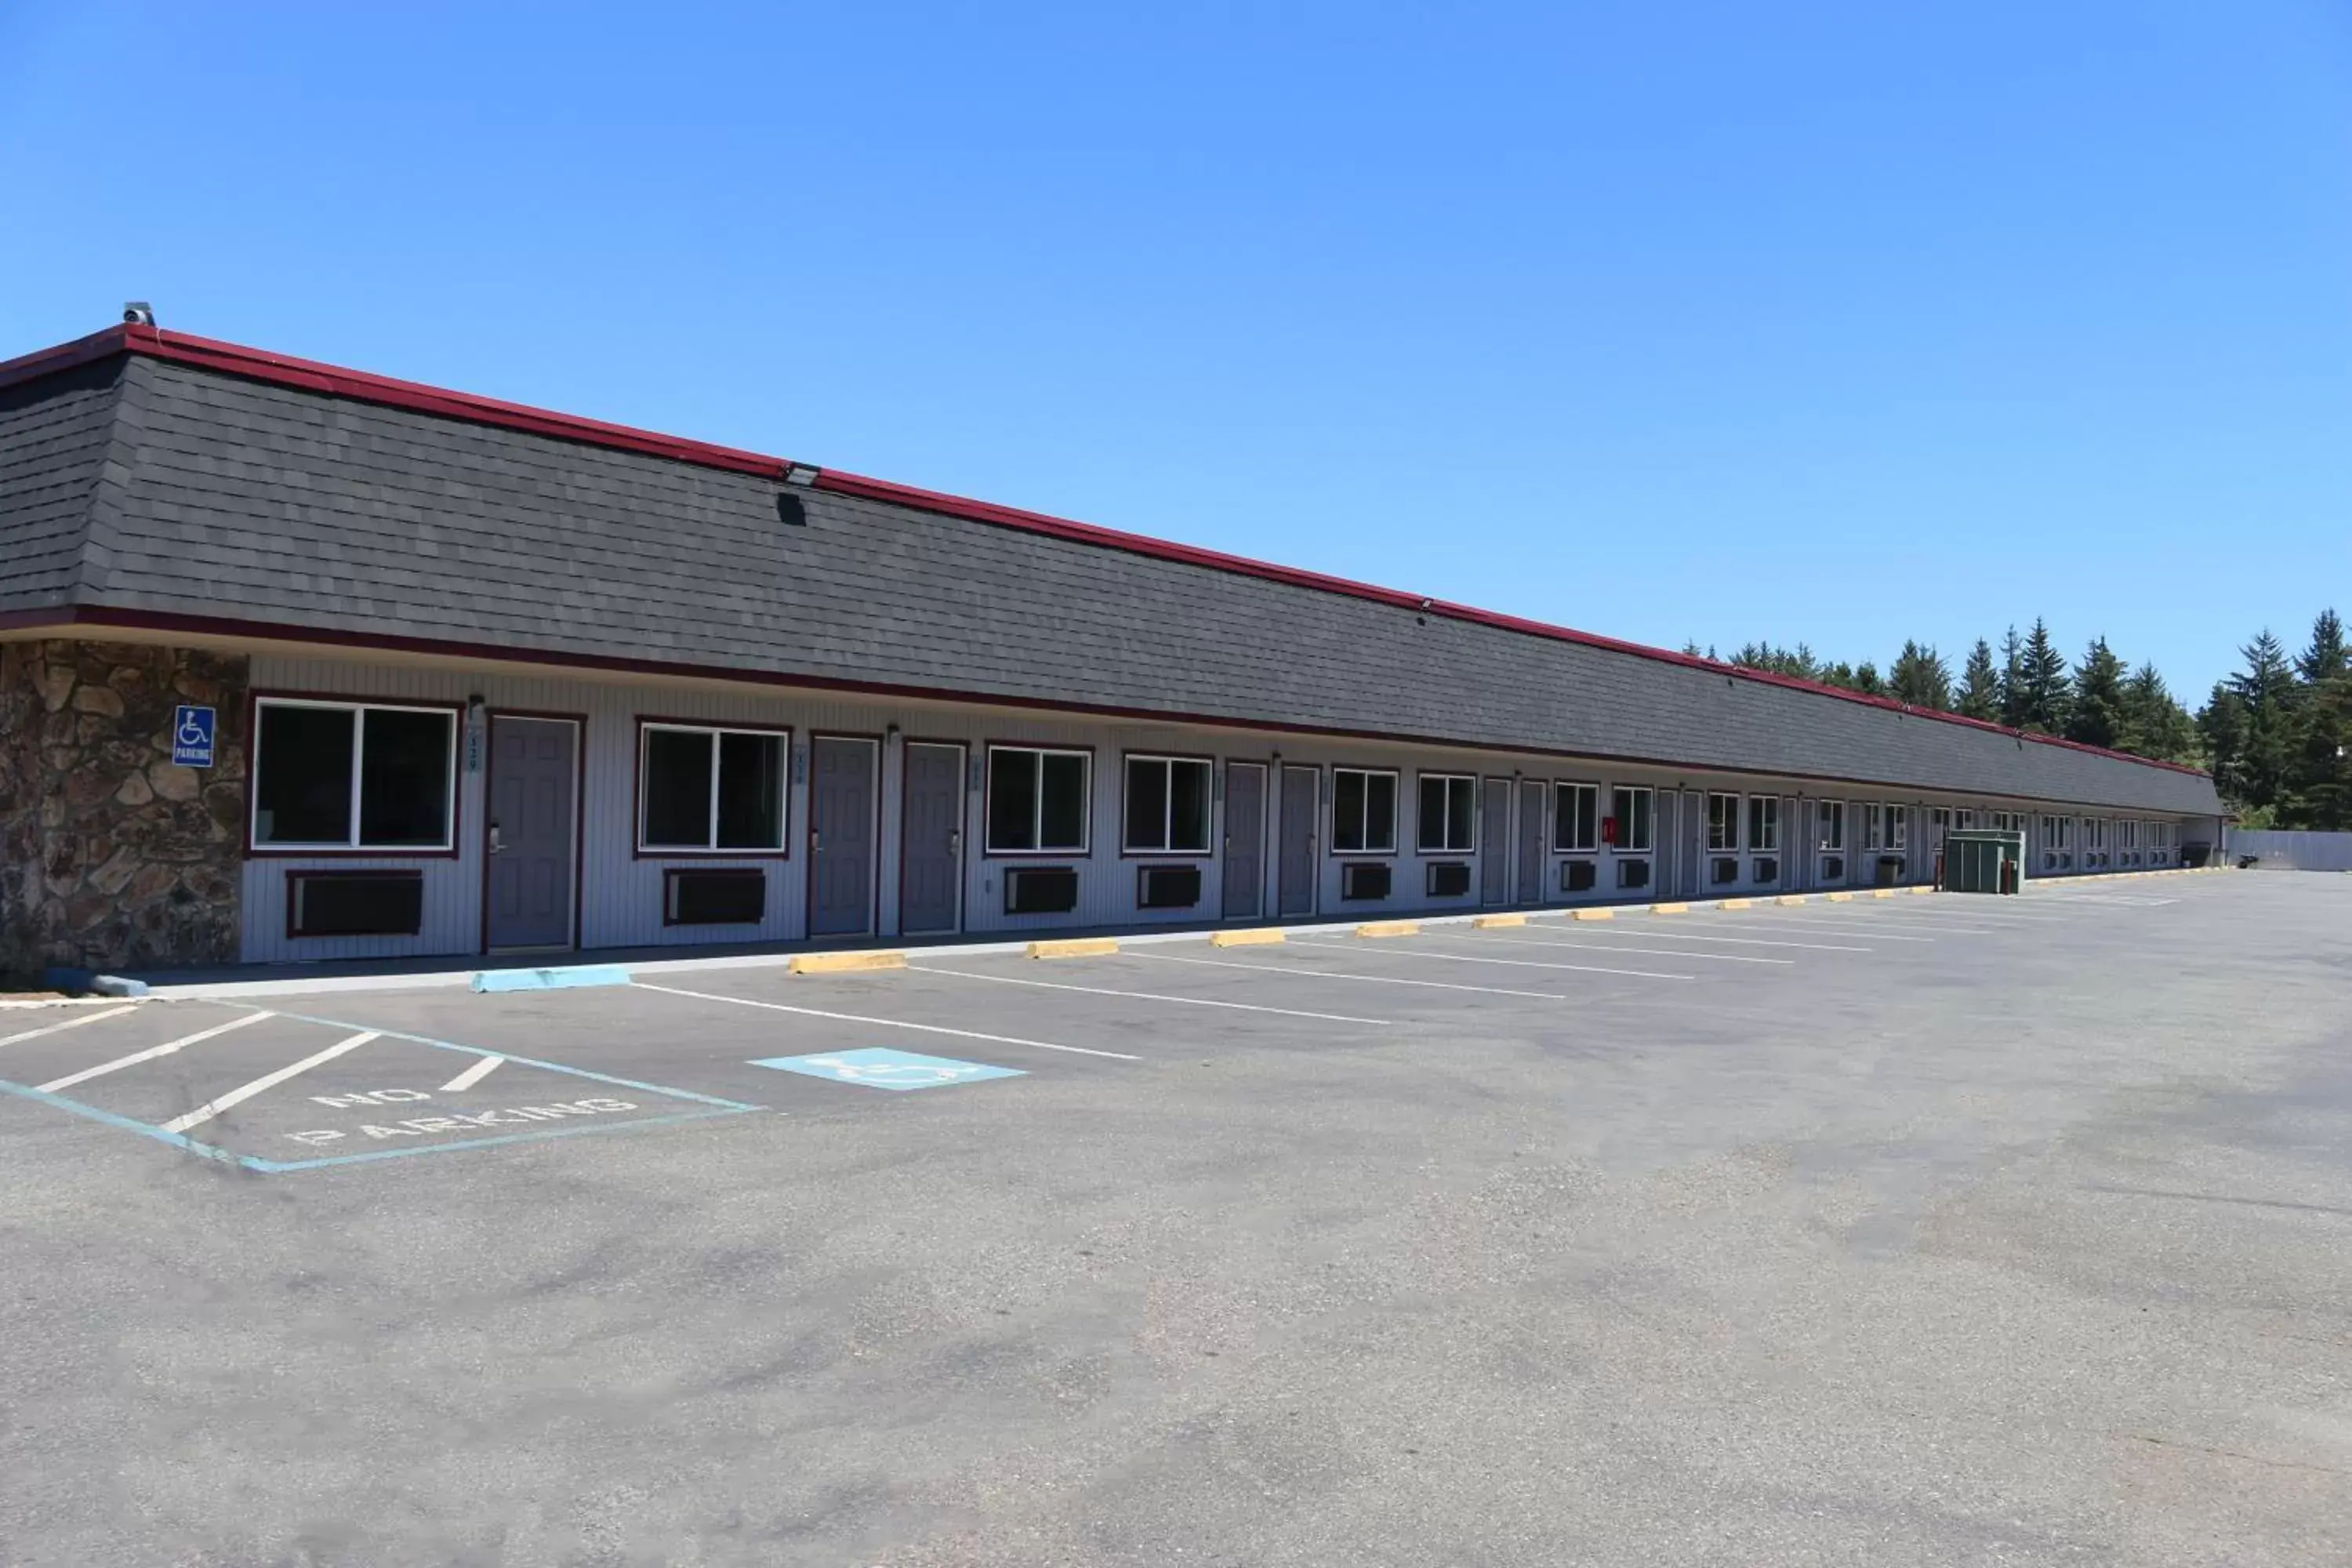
(1890, 870)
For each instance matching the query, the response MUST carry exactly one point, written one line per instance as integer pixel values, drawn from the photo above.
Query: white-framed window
(1166, 805)
(1829, 824)
(711, 789)
(1449, 815)
(1723, 823)
(1040, 800)
(1964, 818)
(1631, 809)
(353, 775)
(2009, 821)
(1940, 817)
(1764, 822)
(1899, 828)
(1874, 825)
(2095, 833)
(1575, 818)
(1363, 811)
(2057, 832)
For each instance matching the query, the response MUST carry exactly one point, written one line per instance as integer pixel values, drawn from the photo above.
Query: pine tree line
(2277, 736)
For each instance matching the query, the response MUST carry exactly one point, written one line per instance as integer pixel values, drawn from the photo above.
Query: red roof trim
(65, 622)
(234, 359)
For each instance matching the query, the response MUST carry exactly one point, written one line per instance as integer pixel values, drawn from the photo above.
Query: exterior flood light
(801, 473)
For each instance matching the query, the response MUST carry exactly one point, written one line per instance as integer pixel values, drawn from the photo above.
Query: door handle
(498, 844)
(955, 841)
(815, 841)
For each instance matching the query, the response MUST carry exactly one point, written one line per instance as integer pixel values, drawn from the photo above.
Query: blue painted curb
(91, 981)
(551, 979)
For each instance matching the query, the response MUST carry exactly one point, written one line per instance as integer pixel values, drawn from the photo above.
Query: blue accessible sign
(191, 736)
(878, 1069)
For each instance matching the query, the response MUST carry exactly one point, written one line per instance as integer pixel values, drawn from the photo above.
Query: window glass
(1188, 806)
(711, 789)
(1061, 808)
(1363, 811)
(1448, 812)
(304, 754)
(1012, 799)
(1575, 817)
(751, 791)
(302, 775)
(1630, 805)
(404, 778)
(1830, 817)
(1166, 805)
(1764, 822)
(1347, 809)
(1723, 822)
(1874, 825)
(1898, 826)
(1036, 800)
(1146, 804)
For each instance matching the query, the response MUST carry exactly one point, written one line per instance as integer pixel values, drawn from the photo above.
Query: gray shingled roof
(271, 504)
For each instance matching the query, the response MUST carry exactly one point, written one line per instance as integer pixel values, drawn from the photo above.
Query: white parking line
(1297, 973)
(473, 1075)
(1514, 963)
(1693, 936)
(1850, 920)
(1146, 995)
(69, 1024)
(889, 1023)
(1604, 947)
(238, 1096)
(1775, 923)
(148, 1055)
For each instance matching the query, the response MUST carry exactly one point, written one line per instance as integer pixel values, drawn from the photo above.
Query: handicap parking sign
(191, 736)
(878, 1069)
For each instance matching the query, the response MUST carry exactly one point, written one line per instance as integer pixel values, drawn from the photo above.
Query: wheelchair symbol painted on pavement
(880, 1068)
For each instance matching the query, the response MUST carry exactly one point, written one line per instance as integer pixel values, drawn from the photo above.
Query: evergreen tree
(2327, 657)
(2096, 715)
(1920, 677)
(2324, 771)
(2012, 680)
(2266, 690)
(2042, 700)
(1865, 680)
(1979, 694)
(2221, 731)
(2155, 725)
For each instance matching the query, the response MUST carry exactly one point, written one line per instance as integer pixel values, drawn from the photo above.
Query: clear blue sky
(1841, 323)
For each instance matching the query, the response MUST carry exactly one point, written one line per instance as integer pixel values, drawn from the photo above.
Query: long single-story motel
(298, 663)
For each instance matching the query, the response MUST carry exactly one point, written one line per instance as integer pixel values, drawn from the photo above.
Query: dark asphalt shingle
(274, 504)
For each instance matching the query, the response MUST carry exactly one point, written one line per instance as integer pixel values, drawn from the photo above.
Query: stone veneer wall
(110, 857)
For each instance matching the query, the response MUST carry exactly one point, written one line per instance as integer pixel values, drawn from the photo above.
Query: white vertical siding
(620, 892)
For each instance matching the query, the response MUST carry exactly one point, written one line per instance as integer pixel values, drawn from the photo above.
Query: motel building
(301, 664)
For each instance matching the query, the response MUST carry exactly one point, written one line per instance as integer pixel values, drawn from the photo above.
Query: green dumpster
(1983, 860)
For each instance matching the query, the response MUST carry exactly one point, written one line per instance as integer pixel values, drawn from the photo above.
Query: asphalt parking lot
(1907, 1231)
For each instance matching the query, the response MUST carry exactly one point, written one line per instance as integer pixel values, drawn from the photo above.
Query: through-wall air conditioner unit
(354, 903)
(714, 895)
(1448, 878)
(1725, 869)
(1576, 876)
(1167, 887)
(1632, 873)
(1041, 889)
(1833, 869)
(1768, 869)
(1364, 879)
